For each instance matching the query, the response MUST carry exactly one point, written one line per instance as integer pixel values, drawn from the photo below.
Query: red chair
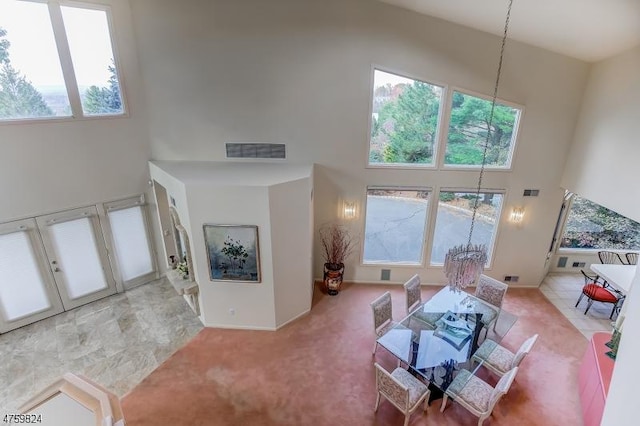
(595, 290)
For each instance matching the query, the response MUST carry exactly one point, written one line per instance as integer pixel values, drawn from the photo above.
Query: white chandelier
(463, 264)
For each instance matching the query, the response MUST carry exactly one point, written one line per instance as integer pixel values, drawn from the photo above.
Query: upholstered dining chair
(500, 360)
(412, 293)
(491, 291)
(382, 316)
(596, 290)
(609, 257)
(476, 395)
(401, 389)
(632, 258)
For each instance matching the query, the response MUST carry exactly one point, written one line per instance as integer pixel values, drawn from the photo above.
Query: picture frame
(233, 252)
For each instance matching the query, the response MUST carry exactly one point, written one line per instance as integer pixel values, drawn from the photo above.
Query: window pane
(130, 241)
(78, 257)
(591, 226)
(31, 81)
(454, 220)
(404, 120)
(468, 132)
(22, 289)
(92, 57)
(395, 226)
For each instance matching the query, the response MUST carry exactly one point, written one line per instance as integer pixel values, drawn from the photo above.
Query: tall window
(56, 61)
(404, 120)
(454, 220)
(592, 226)
(468, 126)
(395, 226)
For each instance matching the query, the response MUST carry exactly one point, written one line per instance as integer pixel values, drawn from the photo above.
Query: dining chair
(412, 293)
(401, 389)
(595, 290)
(491, 291)
(609, 257)
(382, 316)
(500, 360)
(476, 395)
(632, 258)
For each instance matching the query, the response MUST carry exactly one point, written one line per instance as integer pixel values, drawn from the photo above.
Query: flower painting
(232, 251)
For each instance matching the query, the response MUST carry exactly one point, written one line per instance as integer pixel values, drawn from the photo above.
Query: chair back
(525, 348)
(609, 257)
(382, 310)
(589, 279)
(491, 290)
(632, 258)
(412, 292)
(502, 387)
(391, 388)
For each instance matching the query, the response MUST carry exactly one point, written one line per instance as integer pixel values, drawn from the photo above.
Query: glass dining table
(438, 338)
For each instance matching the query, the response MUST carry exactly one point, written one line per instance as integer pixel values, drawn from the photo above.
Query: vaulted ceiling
(590, 30)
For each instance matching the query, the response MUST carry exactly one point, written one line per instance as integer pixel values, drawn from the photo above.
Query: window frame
(438, 134)
(426, 232)
(582, 251)
(445, 131)
(495, 236)
(66, 64)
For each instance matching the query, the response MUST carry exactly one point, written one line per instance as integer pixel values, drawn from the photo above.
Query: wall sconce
(349, 210)
(517, 215)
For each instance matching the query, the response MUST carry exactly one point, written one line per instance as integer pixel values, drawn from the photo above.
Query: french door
(28, 291)
(77, 255)
(56, 262)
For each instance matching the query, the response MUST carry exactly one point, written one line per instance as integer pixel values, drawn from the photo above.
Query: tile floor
(116, 341)
(563, 290)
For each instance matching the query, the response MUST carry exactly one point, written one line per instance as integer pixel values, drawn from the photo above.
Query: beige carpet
(319, 371)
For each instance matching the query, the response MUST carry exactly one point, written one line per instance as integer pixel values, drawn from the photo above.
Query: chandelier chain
(491, 113)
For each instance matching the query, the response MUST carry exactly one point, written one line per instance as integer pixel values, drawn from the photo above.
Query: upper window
(591, 226)
(468, 125)
(455, 210)
(395, 226)
(404, 120)
(56, 61)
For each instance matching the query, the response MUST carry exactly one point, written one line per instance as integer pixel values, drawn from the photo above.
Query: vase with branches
(337, 244)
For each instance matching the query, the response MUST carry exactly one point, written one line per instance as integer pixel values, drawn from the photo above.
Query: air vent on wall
(511, 278)
(255, 150)
(578, 264)
(531, 193)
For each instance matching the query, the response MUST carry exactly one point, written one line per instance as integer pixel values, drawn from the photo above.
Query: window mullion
(65, 58)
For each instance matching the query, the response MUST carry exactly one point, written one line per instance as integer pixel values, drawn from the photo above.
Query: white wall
(291, 213)
(52, 166)
(603, 161)
(253, 303)
(274, 197)
(299, 72)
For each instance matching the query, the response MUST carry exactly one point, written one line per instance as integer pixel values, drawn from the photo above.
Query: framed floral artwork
(233, 252)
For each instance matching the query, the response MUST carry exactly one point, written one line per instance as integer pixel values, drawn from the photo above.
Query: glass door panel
(77, 256)
(126, 232)
(22, 292)
(130, 242)
(27, 290)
